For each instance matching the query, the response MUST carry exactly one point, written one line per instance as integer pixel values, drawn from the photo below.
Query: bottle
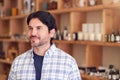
(81, 3)
(112, 39)
(58, 35)
(117, 37)
(110, 73)
(114, 75)
(75, 36)
(65, 33)
(91, 2)
(117, 74)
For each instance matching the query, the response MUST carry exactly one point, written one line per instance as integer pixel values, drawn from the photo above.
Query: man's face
(38, 33)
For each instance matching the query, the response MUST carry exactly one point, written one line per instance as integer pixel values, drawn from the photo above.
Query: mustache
(32, 36)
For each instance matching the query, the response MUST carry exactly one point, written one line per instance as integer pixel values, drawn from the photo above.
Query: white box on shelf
(84, 27)
(97, 27)
(85, 36)
(90, 27)
(91, 36)
(98, 37)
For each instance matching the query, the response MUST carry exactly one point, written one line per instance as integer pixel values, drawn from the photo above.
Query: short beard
(36, 45)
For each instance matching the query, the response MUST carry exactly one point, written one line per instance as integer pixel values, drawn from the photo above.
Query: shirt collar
(50, 51)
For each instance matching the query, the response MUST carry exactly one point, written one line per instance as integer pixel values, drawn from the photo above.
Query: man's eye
(38, 27)
(30, 28)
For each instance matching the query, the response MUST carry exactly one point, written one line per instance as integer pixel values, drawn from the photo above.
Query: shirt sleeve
(75, 73)
(11, 75)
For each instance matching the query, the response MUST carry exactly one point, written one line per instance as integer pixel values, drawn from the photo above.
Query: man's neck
(41, 49)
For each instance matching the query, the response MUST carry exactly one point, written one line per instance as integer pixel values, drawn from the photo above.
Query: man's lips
(33, 37)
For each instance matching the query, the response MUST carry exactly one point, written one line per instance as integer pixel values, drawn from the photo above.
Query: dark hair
(45, 17)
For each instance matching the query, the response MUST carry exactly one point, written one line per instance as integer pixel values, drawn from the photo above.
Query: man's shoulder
(64, 55)
(24, 55)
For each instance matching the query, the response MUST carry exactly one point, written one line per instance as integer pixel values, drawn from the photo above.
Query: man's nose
(34, 32)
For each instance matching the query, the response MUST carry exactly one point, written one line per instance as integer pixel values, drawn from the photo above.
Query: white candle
(80, 35)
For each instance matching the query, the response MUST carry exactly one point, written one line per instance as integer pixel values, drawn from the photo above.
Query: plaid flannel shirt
(57, 65)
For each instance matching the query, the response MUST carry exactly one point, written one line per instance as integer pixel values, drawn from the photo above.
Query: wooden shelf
(88, 43)
(85, 9)
(87, 77)
(14, 40)
(5, 61)
(82, 9)
(114, 5)
(13, 17)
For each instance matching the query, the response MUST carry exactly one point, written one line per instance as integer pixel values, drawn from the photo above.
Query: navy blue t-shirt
(38, 60)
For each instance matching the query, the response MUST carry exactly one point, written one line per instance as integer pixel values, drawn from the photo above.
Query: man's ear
(52, 33)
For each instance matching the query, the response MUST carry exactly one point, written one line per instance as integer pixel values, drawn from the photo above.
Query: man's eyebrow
(29, 25)
(39, 26)
(35, 26)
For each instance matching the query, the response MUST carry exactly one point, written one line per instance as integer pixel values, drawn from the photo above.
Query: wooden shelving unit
(14, 40)
(88, 43)
(86, 77)
(11, 25)
(5, 61)
(12, 33)
(13, 17)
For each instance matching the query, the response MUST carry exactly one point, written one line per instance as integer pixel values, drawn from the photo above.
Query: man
(44, 61)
